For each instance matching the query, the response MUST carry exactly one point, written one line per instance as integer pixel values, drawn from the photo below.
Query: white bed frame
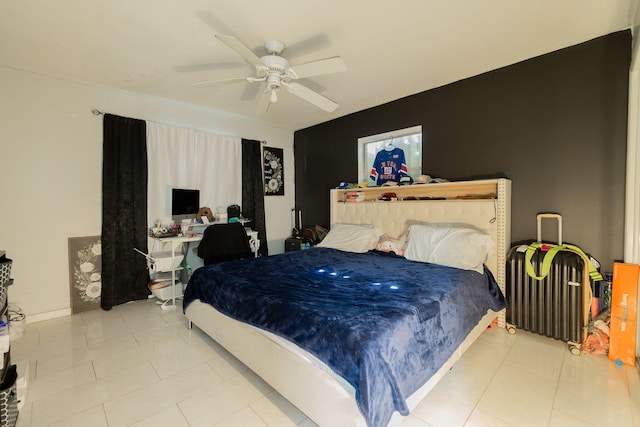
(298, 375)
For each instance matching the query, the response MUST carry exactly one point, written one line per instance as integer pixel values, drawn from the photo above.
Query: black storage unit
(292, 244)
(8, 375)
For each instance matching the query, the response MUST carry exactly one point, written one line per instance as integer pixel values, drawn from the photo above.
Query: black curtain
(124, 210)
(253, 190)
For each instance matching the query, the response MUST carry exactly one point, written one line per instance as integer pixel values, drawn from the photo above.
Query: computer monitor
(184, 204)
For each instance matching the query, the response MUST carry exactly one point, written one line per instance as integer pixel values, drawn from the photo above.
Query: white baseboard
(31, 318)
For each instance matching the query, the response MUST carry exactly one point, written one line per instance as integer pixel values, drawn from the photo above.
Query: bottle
(605, 294)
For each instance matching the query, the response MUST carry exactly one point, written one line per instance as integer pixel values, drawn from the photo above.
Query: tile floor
(137, 365)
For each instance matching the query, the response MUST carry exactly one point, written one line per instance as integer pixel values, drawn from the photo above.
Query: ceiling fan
(276, 72)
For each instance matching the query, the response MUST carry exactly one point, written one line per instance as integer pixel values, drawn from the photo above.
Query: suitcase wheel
(575, 349)
(511, 329)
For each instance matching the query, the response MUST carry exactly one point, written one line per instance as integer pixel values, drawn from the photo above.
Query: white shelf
(167, 293)
(170, 293)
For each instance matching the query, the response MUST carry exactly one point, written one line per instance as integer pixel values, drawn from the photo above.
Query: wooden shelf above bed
(482, 189)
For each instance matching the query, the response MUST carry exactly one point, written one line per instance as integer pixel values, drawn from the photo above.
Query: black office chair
(224, 242)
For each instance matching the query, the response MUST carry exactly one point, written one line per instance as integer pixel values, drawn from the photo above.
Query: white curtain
(171, 161)
(186, 158)
(219, 170)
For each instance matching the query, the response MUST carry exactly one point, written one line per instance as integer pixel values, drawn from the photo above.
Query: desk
(176, 243)
(187, 226)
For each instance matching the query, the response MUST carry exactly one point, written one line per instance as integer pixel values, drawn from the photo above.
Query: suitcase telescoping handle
(556, 216)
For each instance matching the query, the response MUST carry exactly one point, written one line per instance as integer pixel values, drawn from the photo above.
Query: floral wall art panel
(273, 171)
(85, 273)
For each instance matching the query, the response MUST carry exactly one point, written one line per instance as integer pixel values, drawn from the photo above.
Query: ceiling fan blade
(219, 82)
(209, 66)
(240, 49)
(315, 98)
(250, 92)
(311, 44)
(217, 25)
(264, 103)
(316, 68)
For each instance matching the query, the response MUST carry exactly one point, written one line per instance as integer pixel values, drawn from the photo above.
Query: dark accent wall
(556, 125)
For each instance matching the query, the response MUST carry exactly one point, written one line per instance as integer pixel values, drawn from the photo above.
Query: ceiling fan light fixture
(274, 96)
(274, 47)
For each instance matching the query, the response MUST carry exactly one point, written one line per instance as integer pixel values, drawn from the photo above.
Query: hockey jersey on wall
(389, 165)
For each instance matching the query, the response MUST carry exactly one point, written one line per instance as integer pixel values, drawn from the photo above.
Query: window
(409, 140)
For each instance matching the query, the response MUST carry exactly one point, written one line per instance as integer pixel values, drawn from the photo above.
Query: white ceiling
(392, 48)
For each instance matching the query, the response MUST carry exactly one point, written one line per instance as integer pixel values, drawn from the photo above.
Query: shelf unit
(9, 407)
(4, 316)
(484, 189)
(175, 243)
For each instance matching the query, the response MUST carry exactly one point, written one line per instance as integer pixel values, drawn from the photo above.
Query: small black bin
(292, 244)
(233, 211)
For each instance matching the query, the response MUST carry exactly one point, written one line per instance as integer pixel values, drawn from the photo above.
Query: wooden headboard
(484, 205)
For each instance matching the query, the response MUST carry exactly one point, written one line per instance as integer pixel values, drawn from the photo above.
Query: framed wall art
(85, 273)
(273, 171)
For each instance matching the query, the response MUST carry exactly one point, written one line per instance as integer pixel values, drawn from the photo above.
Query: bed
(371, 383)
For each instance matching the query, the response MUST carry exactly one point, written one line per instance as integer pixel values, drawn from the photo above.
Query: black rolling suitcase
(549, 289)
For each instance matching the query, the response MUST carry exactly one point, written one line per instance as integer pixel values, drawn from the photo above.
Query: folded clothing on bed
(384, 324)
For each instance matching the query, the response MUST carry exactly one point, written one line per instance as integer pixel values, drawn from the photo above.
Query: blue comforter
(385, 324)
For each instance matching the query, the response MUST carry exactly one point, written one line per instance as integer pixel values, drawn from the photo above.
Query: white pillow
(351, 238)
(457, 247)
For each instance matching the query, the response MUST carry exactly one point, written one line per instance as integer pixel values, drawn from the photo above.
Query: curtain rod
(97, 112)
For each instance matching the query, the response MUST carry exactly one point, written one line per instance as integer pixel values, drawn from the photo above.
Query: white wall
(51, 169)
